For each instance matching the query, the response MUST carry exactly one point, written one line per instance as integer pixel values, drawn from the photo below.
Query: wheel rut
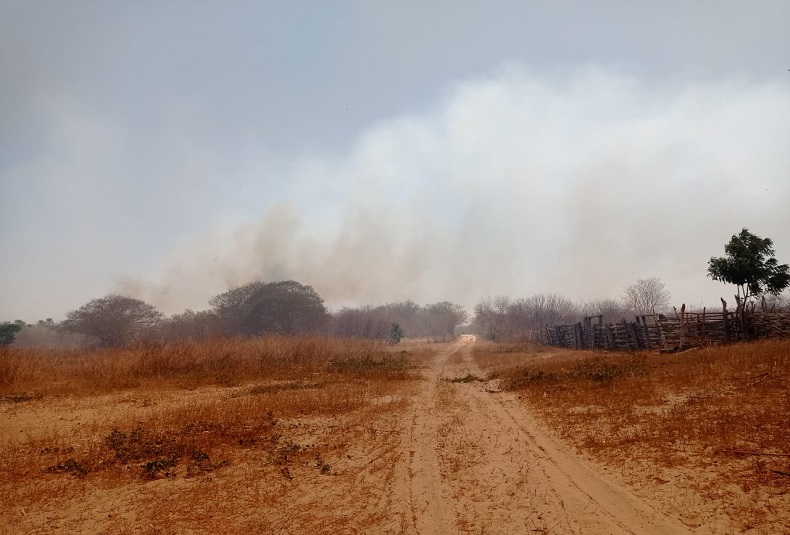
(477, 461)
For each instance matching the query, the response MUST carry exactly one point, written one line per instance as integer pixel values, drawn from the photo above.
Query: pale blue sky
(385, 150)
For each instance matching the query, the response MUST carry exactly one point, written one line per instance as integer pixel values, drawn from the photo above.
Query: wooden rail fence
(672, 332)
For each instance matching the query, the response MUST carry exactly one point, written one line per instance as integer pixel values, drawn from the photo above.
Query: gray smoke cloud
(577, 182)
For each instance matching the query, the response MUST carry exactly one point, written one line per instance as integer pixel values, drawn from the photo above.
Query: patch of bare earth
(702, 435)
(488, 467)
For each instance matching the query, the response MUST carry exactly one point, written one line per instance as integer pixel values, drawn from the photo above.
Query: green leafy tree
(114, 320)
(751, 266)
(396, 333)
(8, 332)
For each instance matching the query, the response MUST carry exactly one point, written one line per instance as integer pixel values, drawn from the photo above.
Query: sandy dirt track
(477, 462)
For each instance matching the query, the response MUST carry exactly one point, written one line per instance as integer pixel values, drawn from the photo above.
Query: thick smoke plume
(521, 182)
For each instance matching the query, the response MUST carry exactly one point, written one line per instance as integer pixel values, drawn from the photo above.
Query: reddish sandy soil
(480, 463)
(440, 457)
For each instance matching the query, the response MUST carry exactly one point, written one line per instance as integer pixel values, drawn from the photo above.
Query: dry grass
(184, 364)
(718, 412)
(219, 431)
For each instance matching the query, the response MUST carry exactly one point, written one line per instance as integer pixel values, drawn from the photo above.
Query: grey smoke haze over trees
(505, 318)
(437, 320)
(285, 308)
(290, 308)
(113, 320)
(384, 151)
(519, 184)
(610, 310)
(258, 308)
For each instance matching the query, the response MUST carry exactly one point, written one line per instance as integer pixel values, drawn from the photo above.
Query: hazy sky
(385, 150)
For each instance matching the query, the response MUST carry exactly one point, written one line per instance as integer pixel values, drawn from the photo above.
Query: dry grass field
(320, 435)
(705, 431)
(225, 436)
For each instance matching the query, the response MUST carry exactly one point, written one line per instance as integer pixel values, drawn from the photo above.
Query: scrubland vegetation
(263, 434)
(717, 413)
(218, 361)
(285, 308)
(267, 413)
(216, 419)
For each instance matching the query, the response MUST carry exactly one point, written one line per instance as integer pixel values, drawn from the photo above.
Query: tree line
(291, 308)
(749, 264)
(507, 319)
(257, 308)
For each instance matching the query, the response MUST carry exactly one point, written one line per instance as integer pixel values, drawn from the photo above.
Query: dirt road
(475, 461)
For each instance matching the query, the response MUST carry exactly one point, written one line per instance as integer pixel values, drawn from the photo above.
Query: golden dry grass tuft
(718, 412)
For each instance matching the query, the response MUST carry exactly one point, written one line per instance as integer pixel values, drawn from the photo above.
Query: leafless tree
(647, 296)
(491, 317)
(438, 320)
(114, 320)
(518, 320)
(362, 322)
(781, 301)
(612, 310)
(507, 320)
(546, 309)
(191, 325)
(408, 315)
(441, 319)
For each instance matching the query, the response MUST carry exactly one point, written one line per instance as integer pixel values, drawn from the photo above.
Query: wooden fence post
(724, 325)
(682, 325)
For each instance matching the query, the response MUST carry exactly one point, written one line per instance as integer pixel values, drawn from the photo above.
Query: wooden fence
(672, 332)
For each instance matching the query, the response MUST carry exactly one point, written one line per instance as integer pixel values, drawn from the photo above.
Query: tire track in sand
(477, 461)
(427, 509)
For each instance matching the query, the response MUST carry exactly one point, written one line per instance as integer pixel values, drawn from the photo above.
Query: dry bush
(721, 411)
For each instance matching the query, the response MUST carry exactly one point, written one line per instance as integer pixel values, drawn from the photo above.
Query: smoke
(576, 182)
